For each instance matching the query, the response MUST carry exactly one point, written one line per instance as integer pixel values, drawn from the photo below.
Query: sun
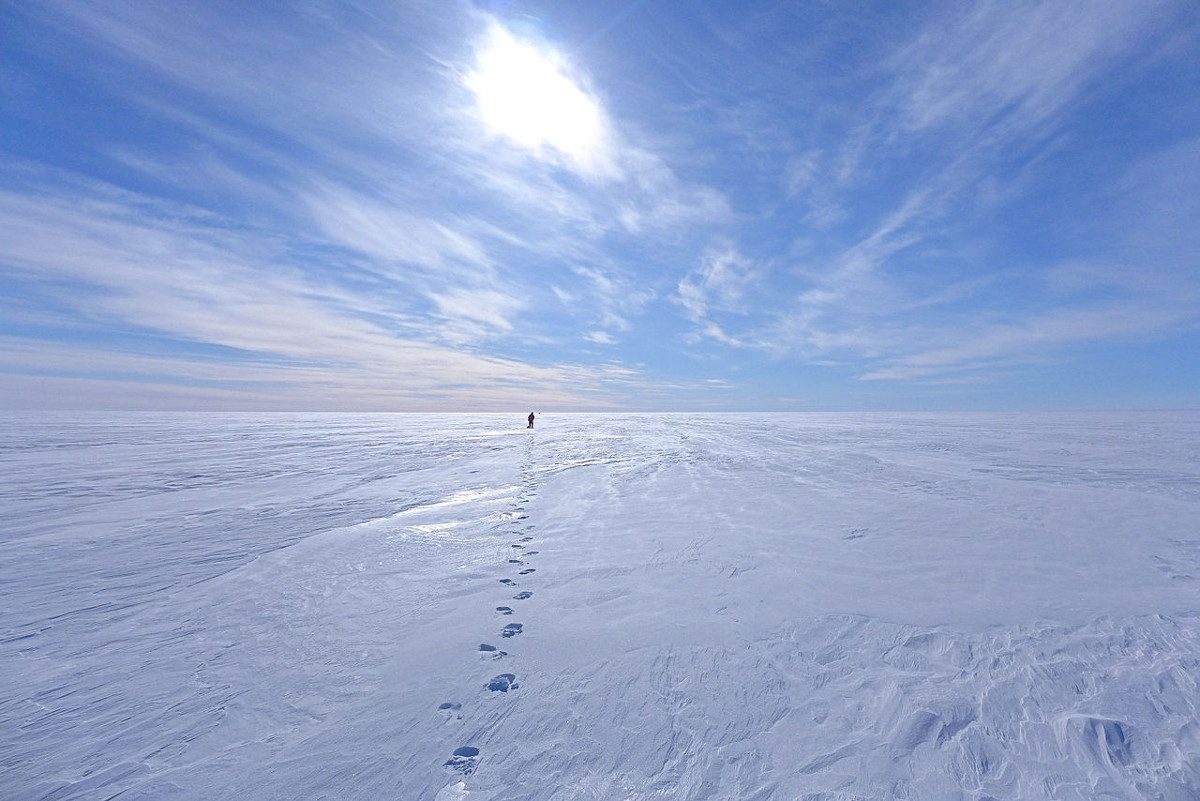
(523, 93)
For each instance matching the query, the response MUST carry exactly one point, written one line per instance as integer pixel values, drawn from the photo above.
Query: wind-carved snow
(633, 606)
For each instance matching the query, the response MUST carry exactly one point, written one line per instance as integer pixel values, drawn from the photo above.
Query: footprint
(521, 596)
(511, 630)
(457, 791)
(503, 683)
(531, 553)
(491, 651)
(509, 582)
(515, 562)
(518, 546)
(527, 571)
(450, 710)
(504, 610)
(856, 534)
(463, 761)
(526, 539)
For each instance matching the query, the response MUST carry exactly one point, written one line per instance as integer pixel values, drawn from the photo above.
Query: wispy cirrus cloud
(986, 90)
(1008, 68)
(393, 227)
(438, 203)
(719, 283)
(149, 266)
(1139, 279)
(473, 314)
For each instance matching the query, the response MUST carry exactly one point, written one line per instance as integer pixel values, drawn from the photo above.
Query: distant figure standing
(530, 420)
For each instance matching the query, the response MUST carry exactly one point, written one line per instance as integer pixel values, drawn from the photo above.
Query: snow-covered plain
(698, 607)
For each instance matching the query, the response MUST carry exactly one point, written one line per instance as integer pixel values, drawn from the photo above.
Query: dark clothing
(530, 420)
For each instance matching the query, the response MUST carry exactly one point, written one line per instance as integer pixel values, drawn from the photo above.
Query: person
(530, 420)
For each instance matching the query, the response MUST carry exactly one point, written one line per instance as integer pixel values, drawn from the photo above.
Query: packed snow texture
(605, 607)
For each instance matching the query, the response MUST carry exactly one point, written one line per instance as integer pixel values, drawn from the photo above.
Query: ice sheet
(707, 606)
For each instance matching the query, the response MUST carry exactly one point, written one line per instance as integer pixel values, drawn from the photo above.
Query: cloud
(394, 209)
(1011, 66)
(357, 206)
(391, 235)
(1145, 285)
(474, 313)
(714, 331)
(142, 265)
(720, 282)
(971, 93)
(615, 294)
(564, 297)
(1032, 338)
(800, 172)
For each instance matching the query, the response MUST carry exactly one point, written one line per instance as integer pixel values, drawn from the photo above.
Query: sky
(504, 206)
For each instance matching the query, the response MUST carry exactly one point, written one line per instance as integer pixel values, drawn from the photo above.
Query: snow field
(659, 606)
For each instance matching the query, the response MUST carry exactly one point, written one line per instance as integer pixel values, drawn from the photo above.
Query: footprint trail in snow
(465, 760)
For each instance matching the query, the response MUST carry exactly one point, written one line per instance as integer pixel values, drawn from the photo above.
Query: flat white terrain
(606, 607)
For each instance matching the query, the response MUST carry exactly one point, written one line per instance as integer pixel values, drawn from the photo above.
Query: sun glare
(524, 94)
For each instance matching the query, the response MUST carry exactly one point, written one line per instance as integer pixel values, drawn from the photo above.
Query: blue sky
(652, 205)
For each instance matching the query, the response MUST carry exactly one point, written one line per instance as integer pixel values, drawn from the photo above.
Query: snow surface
(702, 607)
